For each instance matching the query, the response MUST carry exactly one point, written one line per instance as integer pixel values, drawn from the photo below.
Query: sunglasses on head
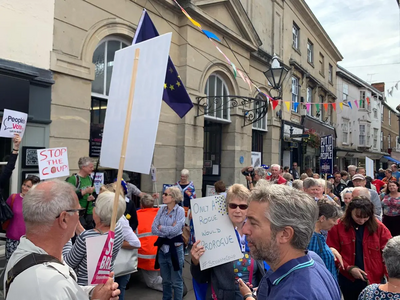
(241, 206)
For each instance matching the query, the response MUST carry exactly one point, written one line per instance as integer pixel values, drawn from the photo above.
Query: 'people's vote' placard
(53, 163)
(14, 122)
(214, 229)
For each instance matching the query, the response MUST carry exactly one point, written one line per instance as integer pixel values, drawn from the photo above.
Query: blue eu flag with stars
(175, 94)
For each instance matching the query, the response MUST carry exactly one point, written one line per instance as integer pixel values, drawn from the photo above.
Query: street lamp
(276, 75)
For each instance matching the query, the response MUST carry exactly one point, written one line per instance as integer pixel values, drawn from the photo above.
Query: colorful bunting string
(356, 102)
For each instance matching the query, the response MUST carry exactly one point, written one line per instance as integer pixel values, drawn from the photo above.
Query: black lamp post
(276, 75)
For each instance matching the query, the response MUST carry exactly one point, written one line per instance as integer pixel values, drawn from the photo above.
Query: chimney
(380, 86)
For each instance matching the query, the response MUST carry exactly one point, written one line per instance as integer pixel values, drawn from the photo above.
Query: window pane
(211, 93)
(226, 104)
(112, 46)
(95, 111)
(103, 107)
(220, 92)
(98, 60)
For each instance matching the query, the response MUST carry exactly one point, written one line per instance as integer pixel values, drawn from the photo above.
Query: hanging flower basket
(314, 141)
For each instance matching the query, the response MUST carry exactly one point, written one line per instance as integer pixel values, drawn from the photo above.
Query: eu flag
(175, 94)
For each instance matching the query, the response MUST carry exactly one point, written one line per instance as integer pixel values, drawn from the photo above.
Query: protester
(359, 237)
(275, 177)
(395, 172)
(346, 196)
(344, 177)
(359, 181)
(221, 279)
(309, 172)
(379, 184)
(327, 218)
(253, 175)
(289, 178)
(388, 176)
(75, 254)
(381, 174)
(338, 186)
(51, 216)
(279, 226)
(147, 252)
(16, 227)
(311, 187)
(294, 171)
(285, 170)
(320, 194)
(130, 242)
(84, 189)
(298, 184)
(330, 178)
(220, 188)
(391, 208)
(351, 169)
(303, 176)
(168, 225)
(329, 192)
(315, 176)
(391, 289)
(6, 172)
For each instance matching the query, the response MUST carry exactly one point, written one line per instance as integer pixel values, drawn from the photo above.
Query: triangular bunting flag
(356, 102)
(397, 86)
(295, 105)
(341, 105)
(308, 105)
(334, 106)
(287, 103)
(349, 103)
(241, 75)
(234, 69)
(317, 106)
(368, 100)
(274, 104)
(326, 106)
(361, 102)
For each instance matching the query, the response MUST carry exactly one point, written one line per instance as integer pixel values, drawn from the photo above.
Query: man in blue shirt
(395, 172)
(280, 223)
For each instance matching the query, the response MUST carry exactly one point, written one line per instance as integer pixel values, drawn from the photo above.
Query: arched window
(103, 59)
(218, 102)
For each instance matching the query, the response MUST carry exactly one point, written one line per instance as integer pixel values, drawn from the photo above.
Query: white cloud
(367, 33)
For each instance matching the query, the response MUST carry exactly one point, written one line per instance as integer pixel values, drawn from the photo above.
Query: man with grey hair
(51, 215)
(280, 223)
(84, 189)
(297, 184)
(275, 176)
(253, 175)
(352, 170)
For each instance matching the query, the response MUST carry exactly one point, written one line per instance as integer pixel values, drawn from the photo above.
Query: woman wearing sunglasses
(222, 279)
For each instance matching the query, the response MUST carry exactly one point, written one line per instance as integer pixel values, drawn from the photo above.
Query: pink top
(16, 229)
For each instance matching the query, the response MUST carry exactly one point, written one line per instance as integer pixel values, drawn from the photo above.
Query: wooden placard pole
(326, 183)
(125, 140)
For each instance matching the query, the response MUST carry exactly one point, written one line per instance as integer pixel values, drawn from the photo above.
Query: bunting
(334, 105)
(341, 105)
(287, 103)
(308, 105)
(317, 105)
(349, 103)
(326, 106)
(295, 105)
(356, 102)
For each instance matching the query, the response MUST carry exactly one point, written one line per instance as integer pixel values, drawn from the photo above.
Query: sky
(367, 34)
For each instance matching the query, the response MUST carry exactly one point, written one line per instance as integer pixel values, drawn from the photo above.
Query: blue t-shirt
(396, 174)
(299, 279)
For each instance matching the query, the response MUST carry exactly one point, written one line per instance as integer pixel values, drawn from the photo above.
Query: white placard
(98, 181)
(14, 122)
(53, 162)
(256, 159)
(369, 167)
(214, 229)
(210, 190)
(146, 108)
(94, 247)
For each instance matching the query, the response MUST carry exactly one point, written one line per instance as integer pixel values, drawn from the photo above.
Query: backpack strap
(25, 263)
(77, 181)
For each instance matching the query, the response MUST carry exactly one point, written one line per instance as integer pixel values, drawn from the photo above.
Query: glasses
(241, 206)
(72, 210)
(165, 194)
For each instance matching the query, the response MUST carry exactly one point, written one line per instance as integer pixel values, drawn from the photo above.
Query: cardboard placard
(215, 230)
(14, 122)
(103, 267)
(98, 181)
(146, 108)
(369, 167)
(53, 163)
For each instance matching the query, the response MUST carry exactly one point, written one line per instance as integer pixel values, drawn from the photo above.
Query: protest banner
(146, 106)
(53, 162)
(127, 103)
(326, 157)
(98, 181)
(14, 122)
(215, 230)
(369, 167)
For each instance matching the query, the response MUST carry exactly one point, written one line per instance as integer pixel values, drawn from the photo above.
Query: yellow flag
(341, 105)
(287, 105)
(195, 23)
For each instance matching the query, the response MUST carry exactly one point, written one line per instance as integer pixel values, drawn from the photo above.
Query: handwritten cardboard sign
(214, 229)
(99, 263)
(98, 181)
(14, 122)
(53, 163)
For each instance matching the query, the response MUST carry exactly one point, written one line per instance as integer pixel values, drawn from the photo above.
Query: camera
(249, 173)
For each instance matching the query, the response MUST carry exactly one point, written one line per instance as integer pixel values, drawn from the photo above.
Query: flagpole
(125, 139)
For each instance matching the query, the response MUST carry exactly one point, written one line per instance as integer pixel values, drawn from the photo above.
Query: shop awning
(392, 159)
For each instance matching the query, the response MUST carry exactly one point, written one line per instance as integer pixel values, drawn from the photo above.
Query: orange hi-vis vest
(147, 252)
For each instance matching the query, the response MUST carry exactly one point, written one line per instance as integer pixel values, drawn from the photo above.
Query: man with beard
(280, 223)
(338, 185)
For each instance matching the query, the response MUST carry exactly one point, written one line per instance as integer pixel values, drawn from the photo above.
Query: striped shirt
(166, 220)
(319, 246)
(75, 255)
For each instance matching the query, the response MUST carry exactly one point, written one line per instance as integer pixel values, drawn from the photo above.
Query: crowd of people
(301, 236)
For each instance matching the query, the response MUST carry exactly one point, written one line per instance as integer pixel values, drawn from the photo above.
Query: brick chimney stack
(380, 86)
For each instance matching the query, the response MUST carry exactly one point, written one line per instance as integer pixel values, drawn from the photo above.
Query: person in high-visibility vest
(147, 252)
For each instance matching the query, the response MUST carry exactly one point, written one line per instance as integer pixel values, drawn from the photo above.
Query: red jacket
(345, 243)
(281, 180)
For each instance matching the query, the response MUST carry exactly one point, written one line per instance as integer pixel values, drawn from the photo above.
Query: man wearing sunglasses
(51, 215)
